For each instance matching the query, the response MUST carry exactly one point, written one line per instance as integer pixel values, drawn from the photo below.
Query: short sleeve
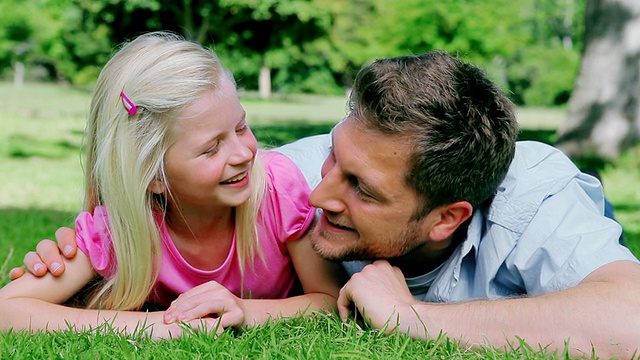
(568, 239)
(92, 236)
(286, 209)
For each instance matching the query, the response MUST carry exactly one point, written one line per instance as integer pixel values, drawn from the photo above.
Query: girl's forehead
(214, 108)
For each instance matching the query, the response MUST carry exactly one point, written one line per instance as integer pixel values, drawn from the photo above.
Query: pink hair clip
(131, 108)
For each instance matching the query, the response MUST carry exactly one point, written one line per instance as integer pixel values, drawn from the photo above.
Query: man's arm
(601, 313)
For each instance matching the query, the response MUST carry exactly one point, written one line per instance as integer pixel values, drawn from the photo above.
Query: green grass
(317, 337)
(40, 187)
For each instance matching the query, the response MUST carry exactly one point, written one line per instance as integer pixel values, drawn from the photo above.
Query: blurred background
(578, 56)
(532, 48)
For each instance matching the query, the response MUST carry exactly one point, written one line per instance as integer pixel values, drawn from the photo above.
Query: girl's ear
(448, 219)
(157, 187)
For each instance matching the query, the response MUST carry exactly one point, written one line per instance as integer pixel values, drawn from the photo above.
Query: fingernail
(55, 267)
(37, 267)
(68, 249)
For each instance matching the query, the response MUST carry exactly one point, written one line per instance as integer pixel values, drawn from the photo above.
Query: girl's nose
(242, 153)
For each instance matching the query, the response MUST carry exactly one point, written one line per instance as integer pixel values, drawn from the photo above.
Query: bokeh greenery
(530, 47)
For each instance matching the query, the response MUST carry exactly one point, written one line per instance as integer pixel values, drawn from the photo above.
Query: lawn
(40, 186)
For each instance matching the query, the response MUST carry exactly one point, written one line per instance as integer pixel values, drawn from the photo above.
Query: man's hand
(48, 255)
(381, 295)
(205, 300)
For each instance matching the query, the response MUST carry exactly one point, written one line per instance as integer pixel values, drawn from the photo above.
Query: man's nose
(329, 193)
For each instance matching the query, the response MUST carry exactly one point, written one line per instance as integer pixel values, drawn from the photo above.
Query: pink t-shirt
(285, 216)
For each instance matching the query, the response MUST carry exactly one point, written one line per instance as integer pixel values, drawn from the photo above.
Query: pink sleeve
(287, 198)
(92, 236)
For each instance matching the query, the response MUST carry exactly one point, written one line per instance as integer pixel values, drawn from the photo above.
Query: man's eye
(355, 184)
(361, 194)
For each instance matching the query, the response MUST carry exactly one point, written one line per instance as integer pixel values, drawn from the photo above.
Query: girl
(177, 196)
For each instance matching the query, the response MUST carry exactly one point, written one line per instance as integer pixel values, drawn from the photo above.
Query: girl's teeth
(234, 179)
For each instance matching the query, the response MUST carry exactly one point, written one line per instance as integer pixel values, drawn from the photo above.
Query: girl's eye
(242, 128)
(212, 150)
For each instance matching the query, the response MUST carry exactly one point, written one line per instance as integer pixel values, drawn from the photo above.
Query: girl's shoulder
(283, 174)
(285, 208)
(275, 160)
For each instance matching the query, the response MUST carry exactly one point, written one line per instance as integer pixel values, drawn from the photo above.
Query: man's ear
(157, 187)
(448, 218)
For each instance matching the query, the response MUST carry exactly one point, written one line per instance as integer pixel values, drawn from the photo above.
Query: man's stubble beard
(370, 250)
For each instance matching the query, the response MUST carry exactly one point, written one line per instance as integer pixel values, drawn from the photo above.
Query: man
(446, 225)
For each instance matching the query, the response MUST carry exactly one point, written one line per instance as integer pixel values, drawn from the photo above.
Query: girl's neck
(201, 223)
(202, 236)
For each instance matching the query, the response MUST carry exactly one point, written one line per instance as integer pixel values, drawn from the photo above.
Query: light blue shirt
(544, 231)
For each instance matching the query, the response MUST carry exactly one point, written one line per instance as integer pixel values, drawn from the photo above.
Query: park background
(572, 67)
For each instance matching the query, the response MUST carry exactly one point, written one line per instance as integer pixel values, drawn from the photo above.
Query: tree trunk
(18, 75)
(604, 112)
(264, 82)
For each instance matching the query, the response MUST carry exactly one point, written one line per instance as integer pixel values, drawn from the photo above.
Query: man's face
(367, 207)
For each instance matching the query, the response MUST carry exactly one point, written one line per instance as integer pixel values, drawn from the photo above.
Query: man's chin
(325, 248)
(325, 253)
(328, 250)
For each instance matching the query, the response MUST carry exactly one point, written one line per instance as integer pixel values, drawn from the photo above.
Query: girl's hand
(209, 300)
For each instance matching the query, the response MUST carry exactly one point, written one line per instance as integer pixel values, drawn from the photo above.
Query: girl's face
(211, 158)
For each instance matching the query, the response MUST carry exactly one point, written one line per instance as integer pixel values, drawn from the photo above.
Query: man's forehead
(352, 126)
(384, 145)
(378, 159)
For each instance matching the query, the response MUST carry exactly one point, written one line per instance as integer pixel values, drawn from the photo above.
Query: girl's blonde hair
(161, 73)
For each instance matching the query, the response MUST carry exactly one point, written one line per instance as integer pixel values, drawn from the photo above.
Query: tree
(251, 36)
(276, 30)
(530, 47)
(17, 32)
(514, 41)
(604, 109)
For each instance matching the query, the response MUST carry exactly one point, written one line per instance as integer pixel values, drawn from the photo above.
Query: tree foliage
(530, 47)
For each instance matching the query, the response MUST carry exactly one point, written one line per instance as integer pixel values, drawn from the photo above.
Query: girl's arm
(31, 303)
(321, 281)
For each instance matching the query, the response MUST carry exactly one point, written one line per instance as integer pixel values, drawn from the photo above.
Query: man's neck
(421, 261)
(425, 258)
